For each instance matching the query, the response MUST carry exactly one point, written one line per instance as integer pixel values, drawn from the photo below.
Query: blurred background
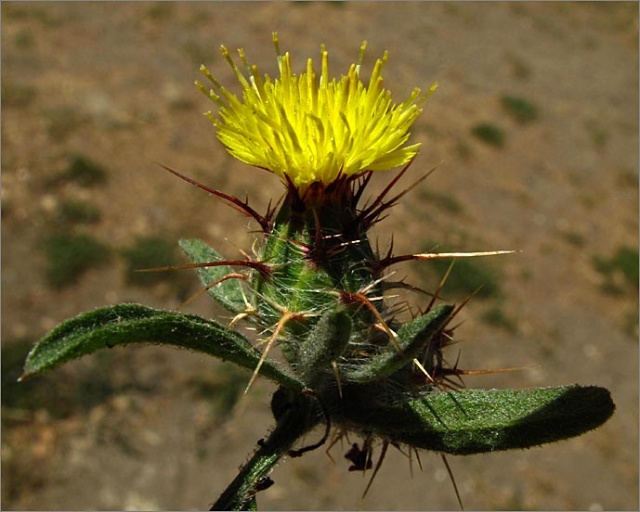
(534, 130)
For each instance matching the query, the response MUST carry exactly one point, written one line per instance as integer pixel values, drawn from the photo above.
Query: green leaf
(413, 337)
(229, 293)
(125, 324)
(478, 421)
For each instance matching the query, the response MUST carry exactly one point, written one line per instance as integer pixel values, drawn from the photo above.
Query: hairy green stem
(298, 418)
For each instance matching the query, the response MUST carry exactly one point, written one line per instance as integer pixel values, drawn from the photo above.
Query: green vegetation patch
(623, 266)
(85, 172)
(77, 212)
(445, 202)
(489, 133)
(520, 109)
(598, 133)
(17, 95)
(573, 238)
(496, 317)
(69, 256)
(61, 122)
(146, 253)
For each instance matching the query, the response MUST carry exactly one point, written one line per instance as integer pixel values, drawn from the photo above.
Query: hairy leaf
(227, 293)
(413, 337)
(477, 421)
(132, 323)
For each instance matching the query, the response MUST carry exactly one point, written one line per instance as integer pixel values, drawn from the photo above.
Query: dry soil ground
(146, 428)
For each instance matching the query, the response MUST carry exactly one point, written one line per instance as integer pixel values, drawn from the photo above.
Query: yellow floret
(310, 128)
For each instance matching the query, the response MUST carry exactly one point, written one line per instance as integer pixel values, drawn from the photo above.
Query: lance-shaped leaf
(413, 337)
(477, 421)
(125, 324)
(227, 292)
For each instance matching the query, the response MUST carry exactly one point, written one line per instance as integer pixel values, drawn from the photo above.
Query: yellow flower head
(314, 129)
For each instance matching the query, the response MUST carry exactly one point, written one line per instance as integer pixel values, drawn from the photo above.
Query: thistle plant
(354, 362)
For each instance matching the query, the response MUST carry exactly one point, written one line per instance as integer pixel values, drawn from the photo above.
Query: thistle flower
(317, 289)
(308, 128)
